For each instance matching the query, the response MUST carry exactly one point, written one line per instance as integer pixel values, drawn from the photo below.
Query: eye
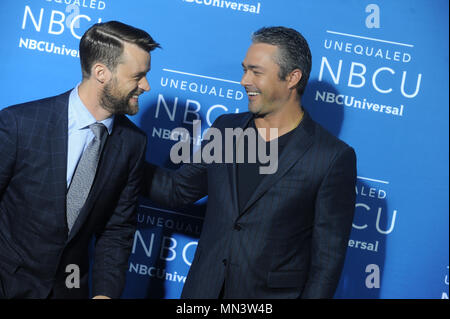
(139, 76)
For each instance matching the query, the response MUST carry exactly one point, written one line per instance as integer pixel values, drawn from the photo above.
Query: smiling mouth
(136, 95)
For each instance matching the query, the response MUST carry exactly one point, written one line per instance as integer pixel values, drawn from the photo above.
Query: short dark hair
(293, 51)
(103, 42)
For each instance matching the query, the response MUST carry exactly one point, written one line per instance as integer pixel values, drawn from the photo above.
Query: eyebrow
(252, 67)
(141, 74)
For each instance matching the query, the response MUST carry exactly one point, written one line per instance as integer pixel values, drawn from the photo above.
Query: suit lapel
(58, 152)
(106, 164)
(232, 169)
(298, 144)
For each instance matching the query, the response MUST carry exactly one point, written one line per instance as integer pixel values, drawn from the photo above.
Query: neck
(90, 92)
(284, 120)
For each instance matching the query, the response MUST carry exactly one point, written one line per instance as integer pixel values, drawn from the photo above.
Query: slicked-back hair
(293, 51)
(104, 43)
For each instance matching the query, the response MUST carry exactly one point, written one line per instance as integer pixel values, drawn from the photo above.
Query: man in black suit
(43, 249)
(281, 234)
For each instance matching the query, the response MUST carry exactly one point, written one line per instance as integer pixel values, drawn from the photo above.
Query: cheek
(132, 86)
(126, 87)
(260, 84)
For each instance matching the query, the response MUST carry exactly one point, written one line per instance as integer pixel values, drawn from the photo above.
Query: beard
(115, 103)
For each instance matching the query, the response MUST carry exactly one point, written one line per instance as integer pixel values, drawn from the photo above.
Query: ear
(294, 77)
(101, 73)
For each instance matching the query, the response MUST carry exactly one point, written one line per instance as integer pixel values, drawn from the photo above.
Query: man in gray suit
(277, 235)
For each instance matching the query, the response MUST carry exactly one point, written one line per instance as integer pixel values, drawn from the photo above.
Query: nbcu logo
(56, 25)
(378, 220)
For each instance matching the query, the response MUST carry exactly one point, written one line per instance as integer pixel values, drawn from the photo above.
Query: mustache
(135, 92)
(251, 89)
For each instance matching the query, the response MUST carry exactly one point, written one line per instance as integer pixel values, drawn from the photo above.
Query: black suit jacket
(290, 239)
(34, 245)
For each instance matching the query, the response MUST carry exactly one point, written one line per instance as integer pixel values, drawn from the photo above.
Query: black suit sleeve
(112, 248)
(8, 149)
(177, 188)
(334, 210)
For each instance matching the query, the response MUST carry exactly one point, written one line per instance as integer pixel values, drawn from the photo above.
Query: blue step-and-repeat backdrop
(379, 82)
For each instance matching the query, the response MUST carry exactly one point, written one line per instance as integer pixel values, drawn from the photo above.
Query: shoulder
(129, 128)
(330, 154)
(46, 102)
(232, 119)
(235, 116)
(327, 142)
(41, 109)
(329, 139)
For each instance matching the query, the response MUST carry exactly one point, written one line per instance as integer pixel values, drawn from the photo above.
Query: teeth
(252, 93)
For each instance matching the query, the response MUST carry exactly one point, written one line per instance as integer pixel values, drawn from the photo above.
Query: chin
(253, 109)
(133, 110)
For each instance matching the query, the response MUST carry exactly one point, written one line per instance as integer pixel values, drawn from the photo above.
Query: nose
(246, 79)
(144, 85)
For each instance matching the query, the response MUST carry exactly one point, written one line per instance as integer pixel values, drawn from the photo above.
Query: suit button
(237, 226)
(224, 261)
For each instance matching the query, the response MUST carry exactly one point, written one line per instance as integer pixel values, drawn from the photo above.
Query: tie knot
(98, 129)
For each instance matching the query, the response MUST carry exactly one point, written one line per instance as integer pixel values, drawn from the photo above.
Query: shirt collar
(81, 115)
